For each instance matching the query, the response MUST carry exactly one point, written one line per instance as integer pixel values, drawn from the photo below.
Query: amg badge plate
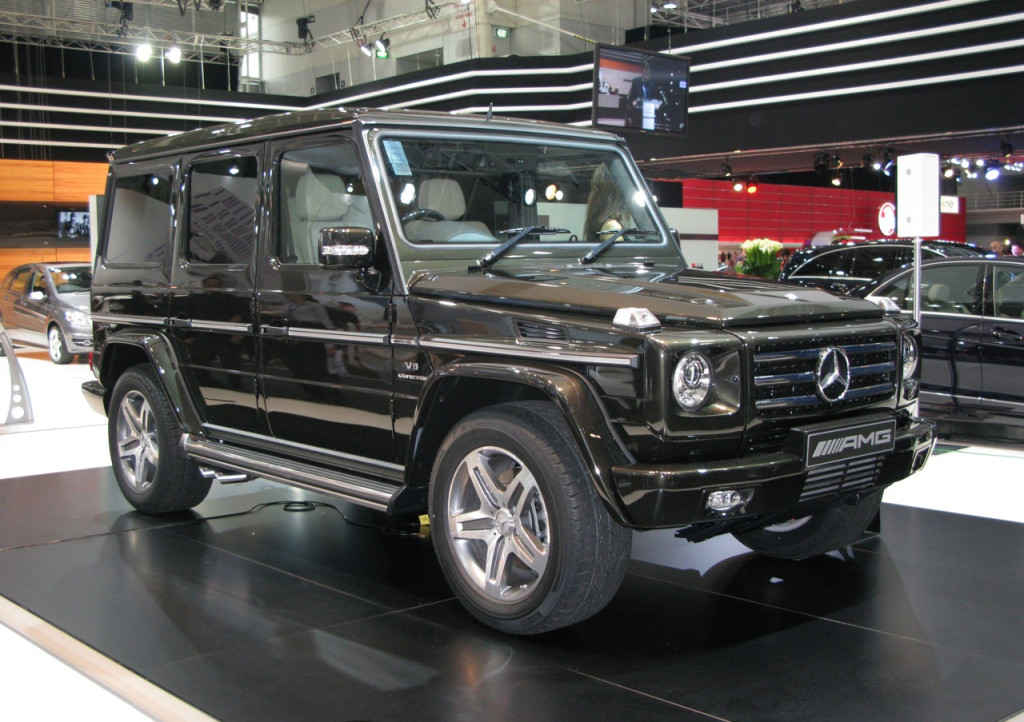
(849, 442)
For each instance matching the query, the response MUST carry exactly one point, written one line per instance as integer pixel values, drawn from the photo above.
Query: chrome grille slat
(784, 372)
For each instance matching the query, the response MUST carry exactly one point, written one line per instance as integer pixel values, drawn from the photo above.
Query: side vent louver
(540, 331)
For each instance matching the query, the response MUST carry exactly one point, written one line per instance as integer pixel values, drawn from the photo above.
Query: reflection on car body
(972, 334)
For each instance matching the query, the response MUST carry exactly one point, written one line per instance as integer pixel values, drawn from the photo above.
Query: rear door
(12, 299)
(212, 306)
(1002, 341)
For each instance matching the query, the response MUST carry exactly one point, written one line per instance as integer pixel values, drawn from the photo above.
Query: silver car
(47, 305)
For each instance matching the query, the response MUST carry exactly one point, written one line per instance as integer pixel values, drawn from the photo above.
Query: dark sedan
(972, 336)
(842, 268)
(47, 305)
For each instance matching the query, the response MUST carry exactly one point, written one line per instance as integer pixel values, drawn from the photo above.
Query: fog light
(728, 499)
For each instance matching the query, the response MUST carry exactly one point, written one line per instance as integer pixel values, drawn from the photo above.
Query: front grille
(843, 476)
(784, 382)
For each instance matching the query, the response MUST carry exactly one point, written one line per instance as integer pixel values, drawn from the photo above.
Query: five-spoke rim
(497, 521)
(56, 345)
(137, 449)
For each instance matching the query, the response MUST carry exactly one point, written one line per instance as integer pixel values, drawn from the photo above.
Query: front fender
(599, 444)
(127, 348)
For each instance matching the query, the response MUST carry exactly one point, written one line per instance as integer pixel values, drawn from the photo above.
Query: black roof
(242, 131)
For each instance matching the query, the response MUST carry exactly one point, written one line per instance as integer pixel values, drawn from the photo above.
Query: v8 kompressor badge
(850, 442)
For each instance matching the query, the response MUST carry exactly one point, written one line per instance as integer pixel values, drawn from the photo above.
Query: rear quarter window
(140, 219)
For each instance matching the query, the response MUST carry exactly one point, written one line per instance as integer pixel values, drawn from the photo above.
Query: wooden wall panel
(43, 181)
(26, 180)
(75, 182)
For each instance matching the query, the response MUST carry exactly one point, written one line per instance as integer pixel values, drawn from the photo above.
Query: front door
(211, 312)
(1002, 340)
(324, 333)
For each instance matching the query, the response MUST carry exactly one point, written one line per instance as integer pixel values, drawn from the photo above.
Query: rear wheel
(819, 533)
(57, 346)
(149, 463)
(522, 537)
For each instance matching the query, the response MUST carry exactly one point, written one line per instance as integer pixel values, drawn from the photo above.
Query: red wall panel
(793, 214)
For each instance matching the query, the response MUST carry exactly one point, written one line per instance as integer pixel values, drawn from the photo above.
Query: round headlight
(908, 351)
(691, 381)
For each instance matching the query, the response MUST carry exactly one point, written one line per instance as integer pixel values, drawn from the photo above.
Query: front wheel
(818, 533)
(150, 465)
(521, 535)
(57, 346)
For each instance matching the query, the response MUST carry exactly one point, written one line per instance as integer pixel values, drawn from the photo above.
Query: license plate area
(822, 446)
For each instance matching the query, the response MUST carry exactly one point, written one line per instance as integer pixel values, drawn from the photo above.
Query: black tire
(151, 467)
(819, 533)
(522, 537)
(57, 345)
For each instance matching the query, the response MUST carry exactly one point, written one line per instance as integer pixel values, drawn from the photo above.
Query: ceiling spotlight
(888, 166)
(364, 47)
(380, 45)
(302, 25)
(992, 172)
(948, 172)
(669, 5)
(837, 178)
(726, 168)
(835, 162)
(173, 54)
(867, 160)
(144, 52)
(1006, 149)
(752, 186)
(738, 186)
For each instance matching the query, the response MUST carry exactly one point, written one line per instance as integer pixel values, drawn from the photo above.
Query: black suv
(487, 321)
(844, 267)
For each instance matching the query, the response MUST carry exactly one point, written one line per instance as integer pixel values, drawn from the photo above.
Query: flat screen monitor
(73, 224)
(640, 89)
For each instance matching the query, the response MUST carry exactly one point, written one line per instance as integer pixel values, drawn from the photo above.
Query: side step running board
(356, 489)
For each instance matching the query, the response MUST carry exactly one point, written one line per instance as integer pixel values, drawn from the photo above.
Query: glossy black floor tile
(254, 607)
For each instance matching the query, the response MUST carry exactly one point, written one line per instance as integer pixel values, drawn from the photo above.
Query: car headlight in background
(78, 318)
(691, 380)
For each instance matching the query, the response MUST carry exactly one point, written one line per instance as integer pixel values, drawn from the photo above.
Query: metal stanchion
(20, 411)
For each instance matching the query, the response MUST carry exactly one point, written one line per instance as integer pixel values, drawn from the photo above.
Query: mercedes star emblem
(832, 376)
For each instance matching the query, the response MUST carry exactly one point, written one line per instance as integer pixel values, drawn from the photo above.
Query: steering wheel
(423, 214)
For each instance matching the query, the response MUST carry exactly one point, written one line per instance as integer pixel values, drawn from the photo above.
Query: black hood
(692, 298)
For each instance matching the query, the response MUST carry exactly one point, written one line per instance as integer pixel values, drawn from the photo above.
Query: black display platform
(252, 610)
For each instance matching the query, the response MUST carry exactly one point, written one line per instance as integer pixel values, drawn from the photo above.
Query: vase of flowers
(761, 258)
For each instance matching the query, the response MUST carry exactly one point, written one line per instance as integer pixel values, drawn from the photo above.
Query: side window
(1008, 292)
(19, 283)
(140, 219)
(222, 210)
(832, 263)
(899, 291)
(874, 261)
(318, 187)
(952, 289)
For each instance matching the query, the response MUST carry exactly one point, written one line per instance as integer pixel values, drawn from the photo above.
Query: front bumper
(673, 495)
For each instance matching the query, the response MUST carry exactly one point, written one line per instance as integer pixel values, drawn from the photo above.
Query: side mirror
(347, 247)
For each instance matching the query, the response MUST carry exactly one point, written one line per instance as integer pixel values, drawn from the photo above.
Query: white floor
(66, 435)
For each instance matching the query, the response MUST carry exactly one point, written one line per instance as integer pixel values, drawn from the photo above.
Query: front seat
(445, 196)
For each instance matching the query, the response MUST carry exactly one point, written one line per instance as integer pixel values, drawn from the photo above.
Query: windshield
(71, 279)
(465, 197)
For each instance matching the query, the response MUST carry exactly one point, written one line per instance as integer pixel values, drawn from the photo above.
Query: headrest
(321, 197)
(938, 292)
(358, 214)
(443, 195)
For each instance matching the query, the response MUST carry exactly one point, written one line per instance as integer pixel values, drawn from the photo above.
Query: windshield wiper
(518, 234)
(596, 253)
